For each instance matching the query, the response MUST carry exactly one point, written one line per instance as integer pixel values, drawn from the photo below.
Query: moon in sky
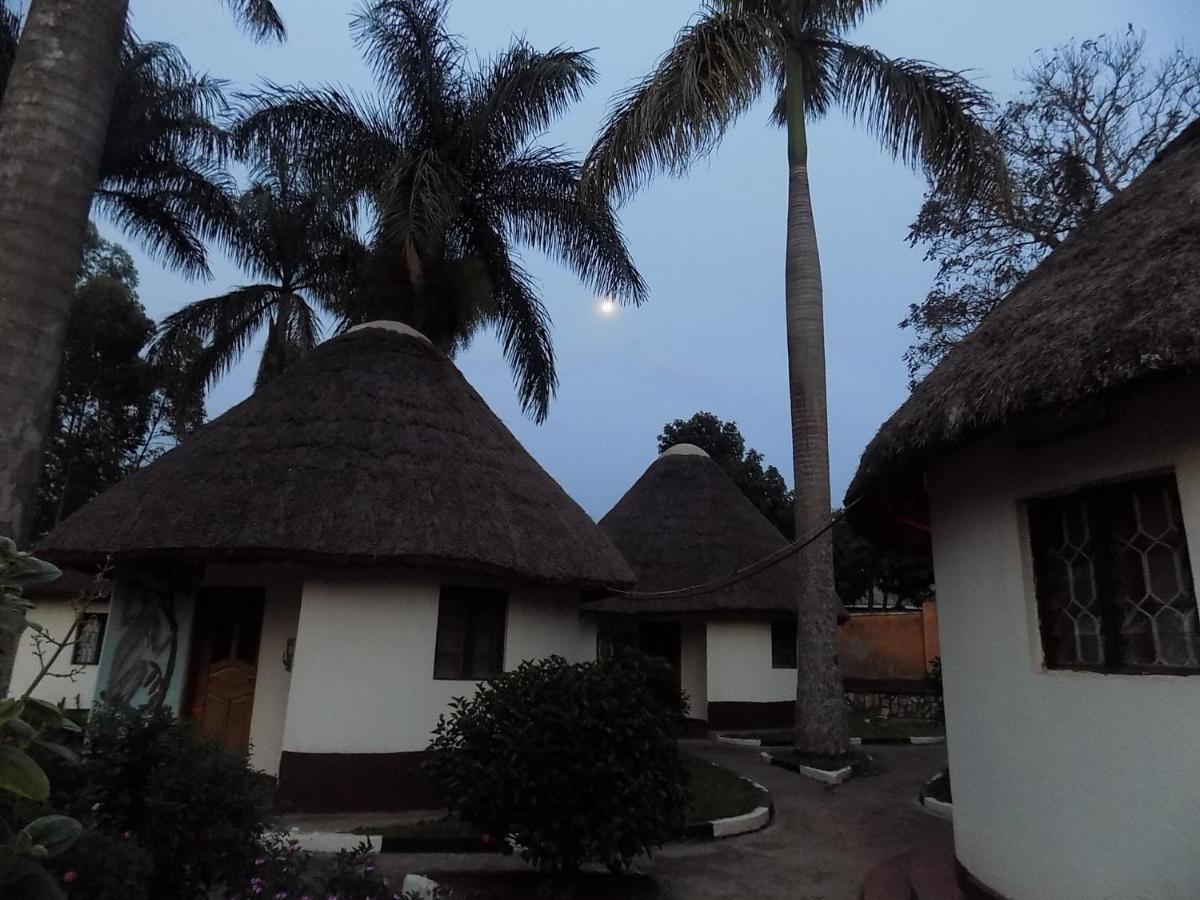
(608, 307)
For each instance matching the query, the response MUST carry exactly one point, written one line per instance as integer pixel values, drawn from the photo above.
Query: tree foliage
(1089, 118)
(447, 154)
(114, 410)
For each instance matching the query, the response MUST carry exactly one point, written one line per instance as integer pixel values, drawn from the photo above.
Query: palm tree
(720, 64)
(53, 124)
(446, 155)
(298, 238)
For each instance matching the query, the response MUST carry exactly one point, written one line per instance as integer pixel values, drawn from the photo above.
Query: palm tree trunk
(820, 708)
(53, 124)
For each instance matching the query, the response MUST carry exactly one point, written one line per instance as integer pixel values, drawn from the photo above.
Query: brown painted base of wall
(354, 782)
(730, 715)
(973, 887)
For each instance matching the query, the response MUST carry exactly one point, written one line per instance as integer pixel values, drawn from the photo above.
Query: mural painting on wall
(143, 662)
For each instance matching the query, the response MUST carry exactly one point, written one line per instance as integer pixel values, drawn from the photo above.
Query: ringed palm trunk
(821, 726)
(53, 123)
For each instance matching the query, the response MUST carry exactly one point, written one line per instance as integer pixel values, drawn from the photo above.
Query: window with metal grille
(470, 633)
(86, 649)
(1113, 579)
(783, 645)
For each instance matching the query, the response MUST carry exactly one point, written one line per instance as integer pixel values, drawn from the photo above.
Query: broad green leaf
(10, 709)
(28, 571)
(60, 750)
(43, 714)
(38, 885)
(55, 833)
(21, 775)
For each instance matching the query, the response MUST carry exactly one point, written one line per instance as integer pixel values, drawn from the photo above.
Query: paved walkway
(823, 840)
(820, 846)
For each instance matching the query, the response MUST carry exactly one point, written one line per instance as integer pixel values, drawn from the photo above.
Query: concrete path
(823, 841)
(821, 845)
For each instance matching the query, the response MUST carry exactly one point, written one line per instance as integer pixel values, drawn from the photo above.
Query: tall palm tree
(720, 64)
(446, 154)
(53, 124)
(297, 237)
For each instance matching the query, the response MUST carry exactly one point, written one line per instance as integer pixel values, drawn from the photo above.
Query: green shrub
(105, 866)
(195, 809)
(575, 762)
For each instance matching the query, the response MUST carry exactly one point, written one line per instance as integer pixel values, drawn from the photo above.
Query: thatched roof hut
(1117, 303)
(372, 449)
(684, 522)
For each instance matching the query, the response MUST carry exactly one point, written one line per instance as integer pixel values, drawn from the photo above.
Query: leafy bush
(195, 809)
(105, 866)
(574, 762)
(283, 870)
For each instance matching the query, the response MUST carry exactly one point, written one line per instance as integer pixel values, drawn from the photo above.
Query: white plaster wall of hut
(693, 667)
(363, 675)
(75, 692)
(1067, 785)
(739, 665)
(281, 617)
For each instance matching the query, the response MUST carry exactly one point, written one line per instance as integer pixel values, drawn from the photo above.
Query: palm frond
(927, 117)
(259, 17)
(10, 33)
(416, 61)
(817, 71)
(224, 325)
(521, 92)
(338, 136)
(419, 201)
(716, 69)
(539, 196)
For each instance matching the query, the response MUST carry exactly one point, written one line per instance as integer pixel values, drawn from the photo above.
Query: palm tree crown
(736, 50)
(446, 154)
(297, 238)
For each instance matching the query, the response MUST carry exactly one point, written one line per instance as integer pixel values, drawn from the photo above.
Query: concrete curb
(938, 808)
(755, 820)
(333, 841)
(737, 742)
(854, 741)
(824, 776)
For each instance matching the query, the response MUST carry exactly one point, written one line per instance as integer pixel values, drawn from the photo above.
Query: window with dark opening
(470, 633)
(1113, 579)
(783, 645)
(86, 650)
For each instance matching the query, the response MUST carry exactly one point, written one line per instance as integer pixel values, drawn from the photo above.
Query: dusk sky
(711, 246)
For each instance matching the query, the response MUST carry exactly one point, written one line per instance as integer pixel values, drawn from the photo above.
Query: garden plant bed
(826, 769)
(717, 794)
(864, 729)
(936, 796)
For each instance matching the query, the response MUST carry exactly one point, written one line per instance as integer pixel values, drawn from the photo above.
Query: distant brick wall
(894, 645)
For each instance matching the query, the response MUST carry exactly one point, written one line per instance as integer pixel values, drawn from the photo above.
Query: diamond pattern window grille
(1113, 579)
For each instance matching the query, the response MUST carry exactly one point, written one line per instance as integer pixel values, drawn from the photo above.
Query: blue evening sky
(711, 246)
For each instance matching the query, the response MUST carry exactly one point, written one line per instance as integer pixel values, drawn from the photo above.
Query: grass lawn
(716, 793)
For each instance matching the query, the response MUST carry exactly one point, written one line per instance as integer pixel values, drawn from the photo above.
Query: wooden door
(663, 640)
(225, 662)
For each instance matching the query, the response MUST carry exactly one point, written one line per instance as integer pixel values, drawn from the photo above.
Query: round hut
(318, 571)
(685, 523)
(1053, 458)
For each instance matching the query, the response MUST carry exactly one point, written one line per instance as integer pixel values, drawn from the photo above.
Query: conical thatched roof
(684, 522)
(1117, 302)
(374, 448)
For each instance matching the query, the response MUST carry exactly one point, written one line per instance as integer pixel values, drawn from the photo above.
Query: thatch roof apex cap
(390, 325)
(683, 450)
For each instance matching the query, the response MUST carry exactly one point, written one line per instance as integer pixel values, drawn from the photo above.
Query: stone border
(333, 841)
(937, 807)
(854, 741)
(825, 776)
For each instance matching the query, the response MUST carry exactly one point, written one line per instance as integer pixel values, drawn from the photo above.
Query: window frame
(777, 643)
(75, 645)
(477, 603)
(1109, 612)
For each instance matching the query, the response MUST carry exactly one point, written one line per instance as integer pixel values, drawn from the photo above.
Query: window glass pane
(783, 645)
(1065, 571)
(470, 634)
(1112, 571)
(1153, 589)
(86, 651)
